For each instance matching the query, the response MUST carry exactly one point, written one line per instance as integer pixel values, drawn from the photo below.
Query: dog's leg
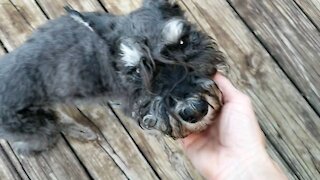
(72, 123)
(30, 130)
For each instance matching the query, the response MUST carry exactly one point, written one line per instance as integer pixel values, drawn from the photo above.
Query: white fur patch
(81, 21)
(172, 31)
(130, 55)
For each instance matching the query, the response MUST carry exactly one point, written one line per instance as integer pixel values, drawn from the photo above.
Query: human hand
(233, 147)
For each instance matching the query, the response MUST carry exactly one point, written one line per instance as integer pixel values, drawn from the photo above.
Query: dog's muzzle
(186, 116)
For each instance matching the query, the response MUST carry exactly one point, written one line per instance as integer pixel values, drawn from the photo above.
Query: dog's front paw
(34, 145)
(22, 148)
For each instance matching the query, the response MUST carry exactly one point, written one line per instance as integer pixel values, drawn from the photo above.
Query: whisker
(209, 104)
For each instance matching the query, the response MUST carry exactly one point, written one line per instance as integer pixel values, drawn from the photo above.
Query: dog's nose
(194, 112)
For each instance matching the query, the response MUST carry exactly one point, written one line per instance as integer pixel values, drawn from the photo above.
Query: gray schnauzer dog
(153, 60)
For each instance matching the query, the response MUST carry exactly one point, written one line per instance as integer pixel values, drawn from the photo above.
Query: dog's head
(166, 63)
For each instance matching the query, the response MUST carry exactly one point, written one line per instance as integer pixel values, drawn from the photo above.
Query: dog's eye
(133, 71)
(183, 42)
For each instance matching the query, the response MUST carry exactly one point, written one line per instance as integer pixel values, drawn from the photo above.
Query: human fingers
(229, 92)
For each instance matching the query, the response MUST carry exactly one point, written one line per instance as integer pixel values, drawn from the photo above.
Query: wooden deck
(273, 47)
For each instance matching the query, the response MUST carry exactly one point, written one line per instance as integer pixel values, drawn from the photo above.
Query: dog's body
(91, 55)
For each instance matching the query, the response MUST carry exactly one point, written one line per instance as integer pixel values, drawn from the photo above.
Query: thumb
(229, 92)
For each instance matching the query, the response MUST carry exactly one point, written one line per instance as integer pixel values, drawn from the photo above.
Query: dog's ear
(169, 8)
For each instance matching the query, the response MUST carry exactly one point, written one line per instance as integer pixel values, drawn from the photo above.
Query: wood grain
(12, 157)
(312, 9)
(57, 163)
(286, 118)
(291, 39)
(55, 8)
(121, 7)
(7, 169)
(116, 143)
(280, 161)
(13, 27)
(27, 10)
(93, 155)
(163, 153)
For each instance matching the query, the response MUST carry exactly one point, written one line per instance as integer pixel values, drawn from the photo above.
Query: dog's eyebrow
(173, 30)
(77, 16)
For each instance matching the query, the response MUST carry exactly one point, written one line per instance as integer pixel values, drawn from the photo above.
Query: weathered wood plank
(290, 37)
(56, 8)
(114, 144)
(312, 9)
(7, 169)
(121, 7)
(14, 160)
(118, 144)
(12, 32)
(57, 163)
(92, 154)
(101, 158)
(163, 153)
(278, 159)
(32, 15)
(60, 162)
(286, 118)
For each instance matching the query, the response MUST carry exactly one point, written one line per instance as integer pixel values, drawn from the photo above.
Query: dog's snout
(194, 112)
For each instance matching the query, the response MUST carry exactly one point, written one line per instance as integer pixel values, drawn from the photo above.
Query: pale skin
(233, 147)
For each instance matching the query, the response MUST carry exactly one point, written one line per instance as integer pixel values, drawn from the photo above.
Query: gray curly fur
(66, 60)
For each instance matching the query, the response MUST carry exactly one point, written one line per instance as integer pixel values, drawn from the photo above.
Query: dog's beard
(163, 117)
